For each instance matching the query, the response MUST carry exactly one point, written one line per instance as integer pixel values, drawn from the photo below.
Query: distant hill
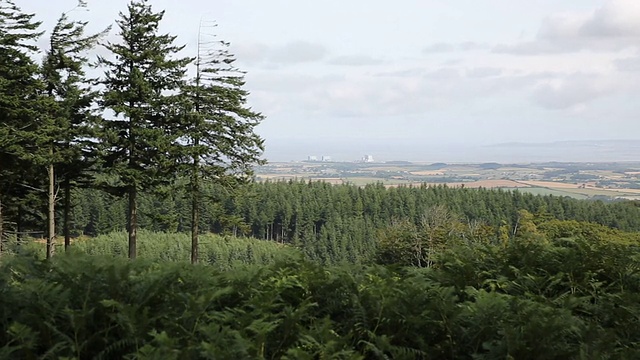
(569, 151)
(398, 162)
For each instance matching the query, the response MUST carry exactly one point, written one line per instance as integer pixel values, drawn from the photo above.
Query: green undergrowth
(575, 297)
(224, 252)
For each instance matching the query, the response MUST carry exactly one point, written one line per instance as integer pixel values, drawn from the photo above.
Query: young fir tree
(218, 130)
(19, 103)
(140, 87)
(71, 120)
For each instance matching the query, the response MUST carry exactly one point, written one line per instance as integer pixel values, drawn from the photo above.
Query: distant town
(326, 158)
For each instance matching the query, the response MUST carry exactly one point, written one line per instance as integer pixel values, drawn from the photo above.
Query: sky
(400, 79)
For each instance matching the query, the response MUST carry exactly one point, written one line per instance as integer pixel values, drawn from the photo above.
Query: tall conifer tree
(141, 86)
(218, 131)
(70, 100)
(19, 102)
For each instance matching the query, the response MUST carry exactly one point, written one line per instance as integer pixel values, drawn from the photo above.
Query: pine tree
(72, 121)
(219, 126)
(141, 86)
(19, 102)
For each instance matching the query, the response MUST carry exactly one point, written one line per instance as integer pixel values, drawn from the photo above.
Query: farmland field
(361, 181)
(548, 191)
(576, 180)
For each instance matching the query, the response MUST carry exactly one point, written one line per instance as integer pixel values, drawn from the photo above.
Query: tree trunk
(51, 228)
(195, 213)
(195, 186)
(67, 214)
(1, 227)
(132, 216)
(132, 220)
(19, 227)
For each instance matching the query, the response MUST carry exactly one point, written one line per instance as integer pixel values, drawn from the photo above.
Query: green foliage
(400, 243)
(20, 113)
(217, 127)
(69, 121)
(138, 85)
(344, 223)
(222, 252)
(489, 274)
(140, 146)
(566, 298)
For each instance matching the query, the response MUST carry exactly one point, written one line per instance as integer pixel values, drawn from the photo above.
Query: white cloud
(290, 53)
(439, 48)
(615, 26)
(298, 52)
(572, 91)
(483, 72)
(355, 60)
(406, 72)
(472, 45)
(251, 53)
(443, 74)
(616, 19)
(630, 64)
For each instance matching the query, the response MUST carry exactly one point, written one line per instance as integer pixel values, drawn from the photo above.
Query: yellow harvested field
(551, 184)
(498, 183)
(279, 176)
(630, 191)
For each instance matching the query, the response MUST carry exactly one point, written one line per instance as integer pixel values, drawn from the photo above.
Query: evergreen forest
(131, 228)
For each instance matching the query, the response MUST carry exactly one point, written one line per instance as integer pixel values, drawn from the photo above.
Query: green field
(547, 191)
(581, 194)
(361, 181)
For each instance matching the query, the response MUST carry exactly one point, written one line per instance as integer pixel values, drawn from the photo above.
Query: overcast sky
(471, 72)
